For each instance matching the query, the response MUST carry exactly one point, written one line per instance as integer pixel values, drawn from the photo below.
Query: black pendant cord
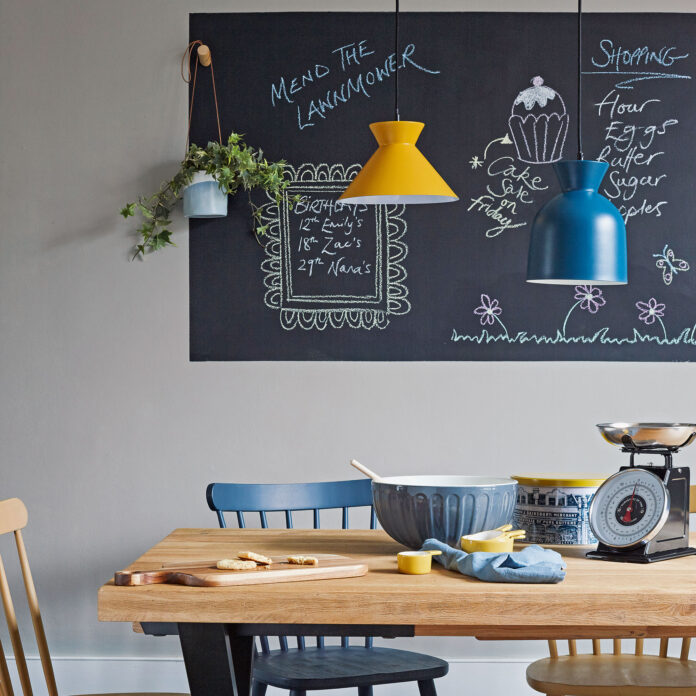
(580, 155)
(396, 62)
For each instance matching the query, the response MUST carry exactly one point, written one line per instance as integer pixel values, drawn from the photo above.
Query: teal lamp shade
(578, 237)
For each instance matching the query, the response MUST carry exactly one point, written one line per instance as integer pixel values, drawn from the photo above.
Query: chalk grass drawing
(335, 309)
(539, 124)
(590, 299)
(650, 311)
(669, 265)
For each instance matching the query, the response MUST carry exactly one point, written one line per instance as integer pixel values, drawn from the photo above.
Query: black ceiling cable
(396, 62)
(580, 156)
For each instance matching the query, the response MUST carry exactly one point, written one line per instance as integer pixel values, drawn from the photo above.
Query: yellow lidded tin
(553, 508)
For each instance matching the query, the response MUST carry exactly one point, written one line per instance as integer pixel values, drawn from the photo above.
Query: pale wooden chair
(13, 518)
(614, 674)
(617, 673)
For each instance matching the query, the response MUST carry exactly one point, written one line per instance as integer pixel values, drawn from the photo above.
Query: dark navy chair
(308, 668)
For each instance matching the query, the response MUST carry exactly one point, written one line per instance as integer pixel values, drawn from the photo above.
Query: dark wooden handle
(142, 577)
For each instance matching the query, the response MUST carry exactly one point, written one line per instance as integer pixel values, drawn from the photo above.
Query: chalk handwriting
(331, 264)
(636, 135)
(509, 190)
(365, 76)
(613, 59)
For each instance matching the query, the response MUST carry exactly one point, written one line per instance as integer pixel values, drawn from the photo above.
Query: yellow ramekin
(415, 562)
(503, 544)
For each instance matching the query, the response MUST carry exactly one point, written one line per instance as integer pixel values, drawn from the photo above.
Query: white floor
(98, 675)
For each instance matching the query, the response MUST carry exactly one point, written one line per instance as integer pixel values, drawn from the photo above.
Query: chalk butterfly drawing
(539, 124)
(669, 265)
(331, 264)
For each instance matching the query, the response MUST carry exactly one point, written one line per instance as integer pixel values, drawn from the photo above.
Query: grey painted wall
(108, 432)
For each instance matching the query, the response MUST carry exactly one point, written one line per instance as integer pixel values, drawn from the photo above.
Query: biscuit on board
(303, 560)
(257, 557)
(235, 564)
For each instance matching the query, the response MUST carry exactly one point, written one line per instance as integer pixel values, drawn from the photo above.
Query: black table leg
(218, 662)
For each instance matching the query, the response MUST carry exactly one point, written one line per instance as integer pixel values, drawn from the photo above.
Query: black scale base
(672, 540)
(639, 555)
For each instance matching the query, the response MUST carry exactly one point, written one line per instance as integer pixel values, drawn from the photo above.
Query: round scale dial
(629, 508)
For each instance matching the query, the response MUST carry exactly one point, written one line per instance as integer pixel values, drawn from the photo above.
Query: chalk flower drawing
(669, 265)
(488, 312)
(650, 311)
(590, 299)
(538, 124)
(475, 162)
(302, 266)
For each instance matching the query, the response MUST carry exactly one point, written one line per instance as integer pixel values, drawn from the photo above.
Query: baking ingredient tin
(555, 508)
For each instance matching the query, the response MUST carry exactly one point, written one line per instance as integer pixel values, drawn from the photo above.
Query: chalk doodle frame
(335, 311)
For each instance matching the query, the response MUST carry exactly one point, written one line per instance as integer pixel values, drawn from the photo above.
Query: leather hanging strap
(190, 78)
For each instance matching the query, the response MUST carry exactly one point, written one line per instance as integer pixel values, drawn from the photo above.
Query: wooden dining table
(216, 625)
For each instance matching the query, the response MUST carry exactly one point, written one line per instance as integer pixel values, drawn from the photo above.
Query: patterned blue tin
(555, 509)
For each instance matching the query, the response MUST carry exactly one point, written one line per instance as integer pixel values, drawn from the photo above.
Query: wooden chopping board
(207, 575)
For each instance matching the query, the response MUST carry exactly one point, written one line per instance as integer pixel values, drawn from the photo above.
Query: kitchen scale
(641, 513)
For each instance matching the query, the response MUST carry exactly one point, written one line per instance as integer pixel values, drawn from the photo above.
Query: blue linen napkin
(533, 564)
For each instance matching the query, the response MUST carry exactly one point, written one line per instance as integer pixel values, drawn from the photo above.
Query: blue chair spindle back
(288, 498)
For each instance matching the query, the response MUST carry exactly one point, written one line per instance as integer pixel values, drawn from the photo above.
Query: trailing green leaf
(234, 165)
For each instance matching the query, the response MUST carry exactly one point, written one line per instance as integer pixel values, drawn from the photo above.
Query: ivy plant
(234, 165)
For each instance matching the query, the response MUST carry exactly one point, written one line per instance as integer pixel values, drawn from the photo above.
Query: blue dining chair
(308, 668)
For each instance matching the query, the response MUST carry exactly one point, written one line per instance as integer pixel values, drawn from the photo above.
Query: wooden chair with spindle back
(13, 518)
(597, 674)
(307, 668)
(616, 673)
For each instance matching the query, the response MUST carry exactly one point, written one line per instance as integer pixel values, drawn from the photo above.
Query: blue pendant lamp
(578, 237)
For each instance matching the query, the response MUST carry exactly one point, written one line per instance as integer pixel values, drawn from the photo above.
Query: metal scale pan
(648, 436)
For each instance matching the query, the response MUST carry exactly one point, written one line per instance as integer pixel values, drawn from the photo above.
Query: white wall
(109, 433)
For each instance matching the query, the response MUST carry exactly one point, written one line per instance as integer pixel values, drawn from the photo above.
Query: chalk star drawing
(477, 161)
(669, 265)
(319, 306)
(539, 124)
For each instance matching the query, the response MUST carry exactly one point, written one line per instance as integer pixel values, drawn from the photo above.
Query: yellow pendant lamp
(398, 172)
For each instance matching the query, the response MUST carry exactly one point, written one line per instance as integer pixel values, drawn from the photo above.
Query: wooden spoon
(364, 470)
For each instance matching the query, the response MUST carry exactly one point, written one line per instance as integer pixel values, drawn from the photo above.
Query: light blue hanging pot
(203, 198)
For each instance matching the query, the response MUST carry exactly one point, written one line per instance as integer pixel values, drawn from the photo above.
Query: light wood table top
(597, 598)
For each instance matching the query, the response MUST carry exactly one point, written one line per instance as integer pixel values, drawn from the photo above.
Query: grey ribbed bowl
(412, 509)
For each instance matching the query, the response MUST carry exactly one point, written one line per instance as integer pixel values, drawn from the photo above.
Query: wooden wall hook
(204, 55)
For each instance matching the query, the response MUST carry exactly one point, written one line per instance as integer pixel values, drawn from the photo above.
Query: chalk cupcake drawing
(590, 299)
(669, 265)
(538, 124)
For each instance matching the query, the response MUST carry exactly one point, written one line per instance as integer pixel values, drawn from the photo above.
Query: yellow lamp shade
(397, 172)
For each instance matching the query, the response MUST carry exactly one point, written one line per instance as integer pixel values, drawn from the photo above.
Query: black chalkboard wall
(446, 282)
